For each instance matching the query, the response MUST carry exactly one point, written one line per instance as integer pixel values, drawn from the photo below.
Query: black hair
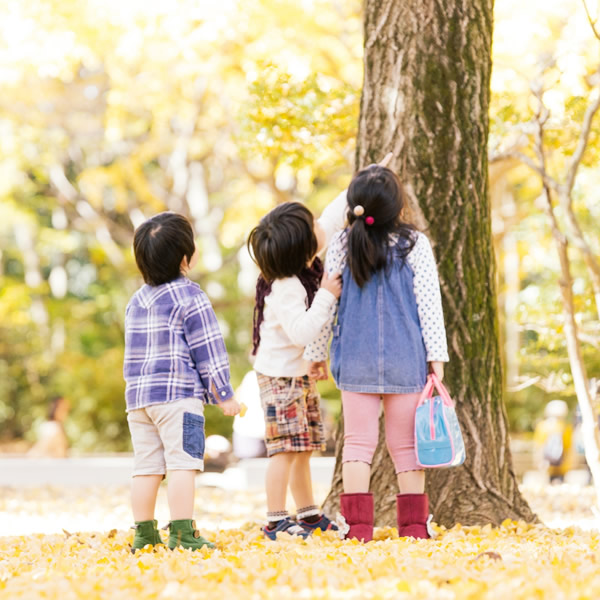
(284, 241)
(160, 244)
(282, 245)
(379, 192)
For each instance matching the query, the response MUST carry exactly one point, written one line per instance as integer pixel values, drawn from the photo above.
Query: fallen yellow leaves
(515, 561)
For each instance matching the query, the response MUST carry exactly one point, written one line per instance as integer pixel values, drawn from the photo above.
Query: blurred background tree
(112, 111)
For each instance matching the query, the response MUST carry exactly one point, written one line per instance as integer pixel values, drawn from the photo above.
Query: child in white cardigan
(293, 302)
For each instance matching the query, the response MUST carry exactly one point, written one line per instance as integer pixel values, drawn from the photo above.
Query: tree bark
(425, 97)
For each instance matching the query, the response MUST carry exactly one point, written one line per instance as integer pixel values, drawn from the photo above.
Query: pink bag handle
(427, 391)
(433, 382)
(441, 389)
(427, 394)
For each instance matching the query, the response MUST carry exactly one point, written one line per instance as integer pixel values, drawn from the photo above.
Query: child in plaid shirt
(175, 360)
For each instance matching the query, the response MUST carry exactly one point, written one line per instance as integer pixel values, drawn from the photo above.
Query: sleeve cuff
(223, 393)
(438, 358)
(328, 297)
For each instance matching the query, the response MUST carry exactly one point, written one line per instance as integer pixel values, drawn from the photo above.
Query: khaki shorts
(168, 437)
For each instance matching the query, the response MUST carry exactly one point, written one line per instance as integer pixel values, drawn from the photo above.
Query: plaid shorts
(292, 414)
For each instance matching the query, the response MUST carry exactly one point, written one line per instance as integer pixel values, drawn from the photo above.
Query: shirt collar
(149, 294)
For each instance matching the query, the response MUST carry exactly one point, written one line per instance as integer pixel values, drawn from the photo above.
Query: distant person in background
(52, 439)
(249, 430)
(553, 439)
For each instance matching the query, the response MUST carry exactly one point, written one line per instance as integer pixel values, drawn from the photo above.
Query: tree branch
(582, 143)
(591, 22)
(529, 162)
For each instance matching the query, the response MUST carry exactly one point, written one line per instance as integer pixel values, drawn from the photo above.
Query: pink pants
(361, 427)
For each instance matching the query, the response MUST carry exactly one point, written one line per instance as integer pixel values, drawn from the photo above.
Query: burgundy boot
(412, 511)
(357, 509)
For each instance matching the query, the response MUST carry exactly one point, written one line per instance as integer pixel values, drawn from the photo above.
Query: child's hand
(230, 407)
(437, 367)
(332, 283)
(385, 161)
(318, 371)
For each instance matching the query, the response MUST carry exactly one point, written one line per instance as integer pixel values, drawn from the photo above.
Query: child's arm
(302, 325)
(335, 262)
(207, 349)
(333, 218)
(426, 285)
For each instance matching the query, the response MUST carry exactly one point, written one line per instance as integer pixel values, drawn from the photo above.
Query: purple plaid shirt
(173, 347)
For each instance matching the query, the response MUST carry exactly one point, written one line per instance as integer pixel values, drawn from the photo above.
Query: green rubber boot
(183, 533)
(146, 532)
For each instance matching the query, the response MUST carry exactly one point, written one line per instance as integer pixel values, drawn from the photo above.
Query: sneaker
(324, 524)
(288, 526)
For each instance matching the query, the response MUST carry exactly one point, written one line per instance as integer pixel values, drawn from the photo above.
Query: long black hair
(282, 245)
(378, 191)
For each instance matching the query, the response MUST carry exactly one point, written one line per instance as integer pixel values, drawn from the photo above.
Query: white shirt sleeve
(335, 262)
(334, 216)
(429, 299)
(288, 301)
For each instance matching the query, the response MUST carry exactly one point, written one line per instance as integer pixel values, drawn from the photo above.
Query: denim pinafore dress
(377, 345)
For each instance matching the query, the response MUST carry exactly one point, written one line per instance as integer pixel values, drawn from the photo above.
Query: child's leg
(181, 427)
(301, 481)
(400, 438)
(148, 472)
(361, 433)
(182, 527)
(144, 489)
(277, 478)
(149, 464)
(308, 513)
(412, 505)
(411, 482)
(181, 490)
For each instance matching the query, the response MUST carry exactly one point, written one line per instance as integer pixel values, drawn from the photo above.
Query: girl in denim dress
(388, 335)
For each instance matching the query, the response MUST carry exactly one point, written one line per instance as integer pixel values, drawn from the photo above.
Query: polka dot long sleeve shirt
(427, 295)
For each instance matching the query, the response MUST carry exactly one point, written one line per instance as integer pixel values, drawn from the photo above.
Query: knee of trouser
(402, 455)
(359, 445)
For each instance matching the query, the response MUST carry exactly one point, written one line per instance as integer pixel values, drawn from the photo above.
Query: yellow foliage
(513, 561)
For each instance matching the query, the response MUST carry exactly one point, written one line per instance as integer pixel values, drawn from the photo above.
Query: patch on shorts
(292, 414)
(193, 434)
(285, 408)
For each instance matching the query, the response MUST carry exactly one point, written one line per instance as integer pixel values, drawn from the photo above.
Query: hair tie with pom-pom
(359, 210)
(369, 220)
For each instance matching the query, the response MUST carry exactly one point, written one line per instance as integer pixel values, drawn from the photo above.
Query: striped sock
(310, 514)
(275, 517)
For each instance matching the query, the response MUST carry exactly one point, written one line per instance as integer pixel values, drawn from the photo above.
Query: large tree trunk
(425, 98)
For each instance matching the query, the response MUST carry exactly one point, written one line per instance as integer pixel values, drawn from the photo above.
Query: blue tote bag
(438, 440)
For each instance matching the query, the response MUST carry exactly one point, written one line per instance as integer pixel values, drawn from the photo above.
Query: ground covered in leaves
(82, 551)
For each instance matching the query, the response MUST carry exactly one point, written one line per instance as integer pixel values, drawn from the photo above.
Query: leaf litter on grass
(514, 561)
